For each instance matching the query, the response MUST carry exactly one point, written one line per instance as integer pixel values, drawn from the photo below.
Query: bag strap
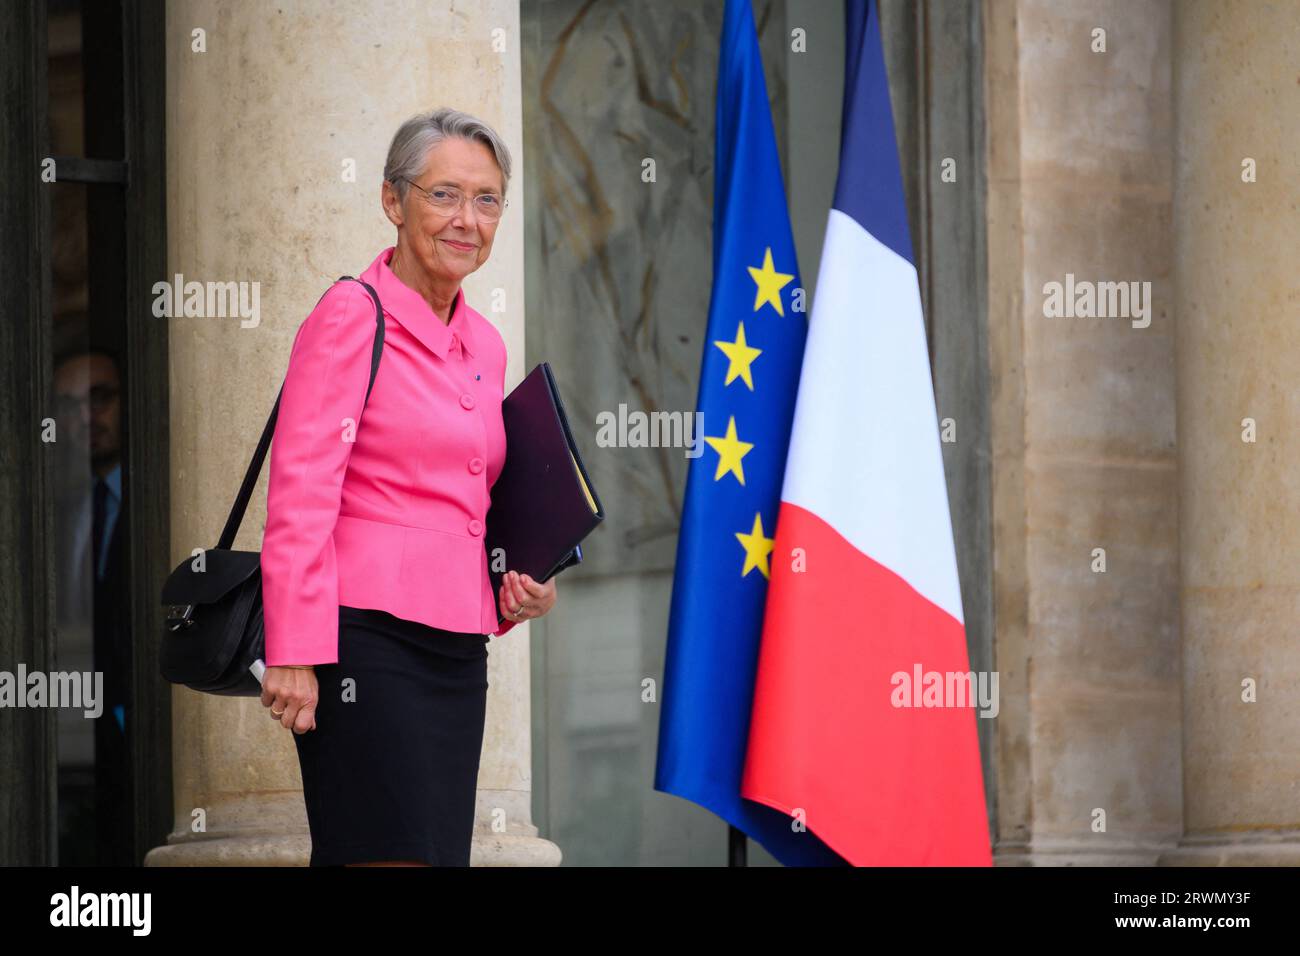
(264, 443)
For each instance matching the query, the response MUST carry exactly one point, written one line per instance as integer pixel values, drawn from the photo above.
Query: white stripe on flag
(864, 449)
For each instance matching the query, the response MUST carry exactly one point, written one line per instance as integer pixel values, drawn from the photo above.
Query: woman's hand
(522, 598)
(290, 692)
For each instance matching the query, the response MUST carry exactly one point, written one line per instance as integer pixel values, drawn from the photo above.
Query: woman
(377, 602)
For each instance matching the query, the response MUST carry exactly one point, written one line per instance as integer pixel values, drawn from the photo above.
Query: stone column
(1236, 100)
(270, 108)
(1079, 187)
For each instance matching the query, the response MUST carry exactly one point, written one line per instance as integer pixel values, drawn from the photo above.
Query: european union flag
(748, 382)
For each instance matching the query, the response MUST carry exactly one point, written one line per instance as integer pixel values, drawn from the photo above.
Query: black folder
(543, 502)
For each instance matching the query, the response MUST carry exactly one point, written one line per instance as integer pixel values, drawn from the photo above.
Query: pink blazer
(383, 509)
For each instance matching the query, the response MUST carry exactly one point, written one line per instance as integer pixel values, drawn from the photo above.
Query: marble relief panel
(619, 116)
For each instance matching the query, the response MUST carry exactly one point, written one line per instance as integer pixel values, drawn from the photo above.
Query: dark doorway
(83, 547)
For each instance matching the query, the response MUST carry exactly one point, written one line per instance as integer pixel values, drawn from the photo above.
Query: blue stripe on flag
(870, 185)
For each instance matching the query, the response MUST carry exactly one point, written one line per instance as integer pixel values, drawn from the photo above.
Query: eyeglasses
(448, 200)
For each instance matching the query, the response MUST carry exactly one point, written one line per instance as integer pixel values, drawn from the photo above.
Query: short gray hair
(409, 152)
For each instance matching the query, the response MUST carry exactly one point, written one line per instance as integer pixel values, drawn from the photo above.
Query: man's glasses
(448, 200)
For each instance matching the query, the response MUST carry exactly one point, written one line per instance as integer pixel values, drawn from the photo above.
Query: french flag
(864, 580)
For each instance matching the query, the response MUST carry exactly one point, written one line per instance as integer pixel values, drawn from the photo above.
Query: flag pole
(736, 844)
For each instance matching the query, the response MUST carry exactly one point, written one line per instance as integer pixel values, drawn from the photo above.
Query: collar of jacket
(408, 307)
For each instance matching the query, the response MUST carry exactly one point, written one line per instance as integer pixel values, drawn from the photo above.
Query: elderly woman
(377, 602)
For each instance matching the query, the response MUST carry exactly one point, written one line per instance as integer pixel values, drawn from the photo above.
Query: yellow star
(757, 548)
(730, 450)
(740, 355)
(770, 283)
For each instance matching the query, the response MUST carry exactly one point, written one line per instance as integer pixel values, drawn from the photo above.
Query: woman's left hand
(522, 598)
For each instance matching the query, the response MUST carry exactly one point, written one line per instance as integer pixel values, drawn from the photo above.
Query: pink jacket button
(475, 465)
(475, 526)
(467, 400)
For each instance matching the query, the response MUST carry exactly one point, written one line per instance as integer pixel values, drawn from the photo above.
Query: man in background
(95, 785)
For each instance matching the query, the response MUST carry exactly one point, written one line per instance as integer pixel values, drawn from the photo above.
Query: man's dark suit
(114, 824)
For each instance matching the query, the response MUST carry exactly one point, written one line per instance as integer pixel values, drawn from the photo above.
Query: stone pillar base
(268, 849)
(1272, 848)
(488, 849)
(1078, 852)
(506, 849)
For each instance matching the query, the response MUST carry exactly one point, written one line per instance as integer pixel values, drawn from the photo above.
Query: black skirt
(391, 770)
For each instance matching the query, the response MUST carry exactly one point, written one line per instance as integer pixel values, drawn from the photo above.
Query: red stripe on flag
(881, 785)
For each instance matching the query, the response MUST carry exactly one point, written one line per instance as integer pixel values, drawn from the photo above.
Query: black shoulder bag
(213, 633)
